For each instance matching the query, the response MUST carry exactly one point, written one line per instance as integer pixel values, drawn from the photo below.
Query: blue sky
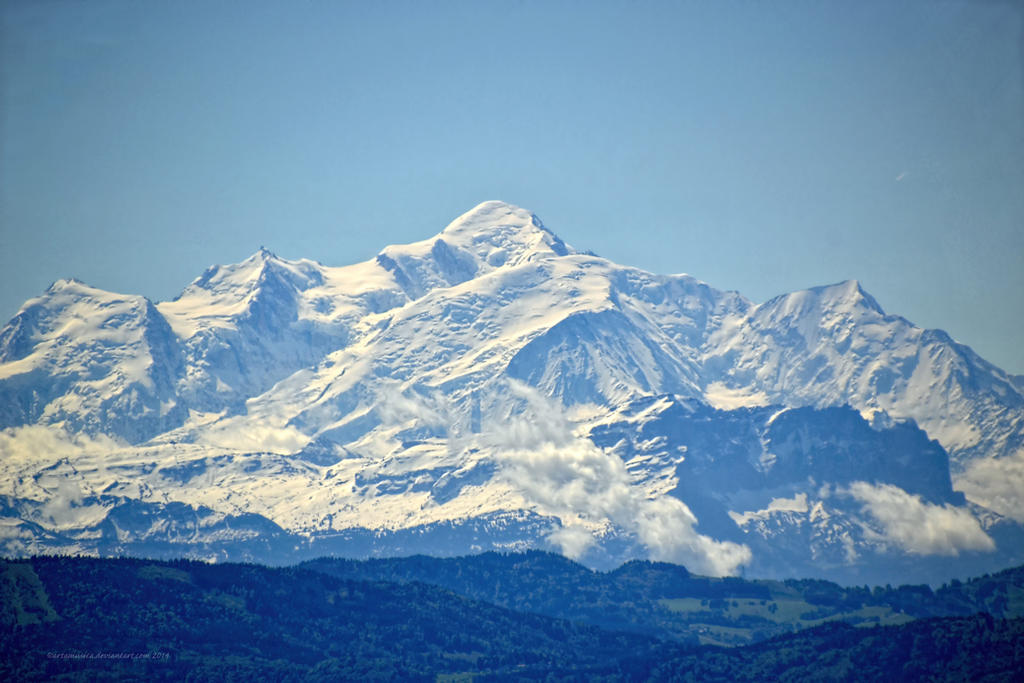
(762, 147)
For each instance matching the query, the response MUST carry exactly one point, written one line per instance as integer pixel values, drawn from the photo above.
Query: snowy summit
(492, 387)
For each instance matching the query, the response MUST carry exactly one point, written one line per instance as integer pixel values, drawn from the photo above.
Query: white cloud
(574, 540)
(394, 408)
(241, 434)
(60, 509)
(569, 476)
(49, 444)
(916, 526)
(55, 456)
(997, 484)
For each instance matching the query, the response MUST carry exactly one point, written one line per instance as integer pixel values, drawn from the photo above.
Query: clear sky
(760, 146)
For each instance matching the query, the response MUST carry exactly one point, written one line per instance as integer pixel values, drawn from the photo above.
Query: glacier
(493, 387)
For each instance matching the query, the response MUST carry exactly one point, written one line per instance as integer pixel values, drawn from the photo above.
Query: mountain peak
(66, 283)
(260, 257)
(847, 295)
(493, 212)
(849, 291)
(489, 236)
(500, 233)
(72, 291)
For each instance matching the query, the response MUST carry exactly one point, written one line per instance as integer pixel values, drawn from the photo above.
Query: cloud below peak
(917, 527)
(586, 486)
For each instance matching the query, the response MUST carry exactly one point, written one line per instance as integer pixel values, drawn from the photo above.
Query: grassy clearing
(783, 611)
(779, 611)
(685, 604)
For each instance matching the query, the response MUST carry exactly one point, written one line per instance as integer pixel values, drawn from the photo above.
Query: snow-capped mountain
(835, 345)
(492, 387)
(91, 361)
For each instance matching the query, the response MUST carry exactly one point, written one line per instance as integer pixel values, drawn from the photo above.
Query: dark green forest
(531, 616)
(668, 602)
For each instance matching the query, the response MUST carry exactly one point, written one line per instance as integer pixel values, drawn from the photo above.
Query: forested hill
(130, 619)
(667, 601)
(977, 648)
(183, 620)
(85, 619)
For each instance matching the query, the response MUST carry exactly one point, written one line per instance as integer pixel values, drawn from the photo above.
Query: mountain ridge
(464, 377)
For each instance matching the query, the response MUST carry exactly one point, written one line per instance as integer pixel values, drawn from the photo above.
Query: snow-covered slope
(245, 327)
(835, 345)
(494, 387)
(90, 361)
